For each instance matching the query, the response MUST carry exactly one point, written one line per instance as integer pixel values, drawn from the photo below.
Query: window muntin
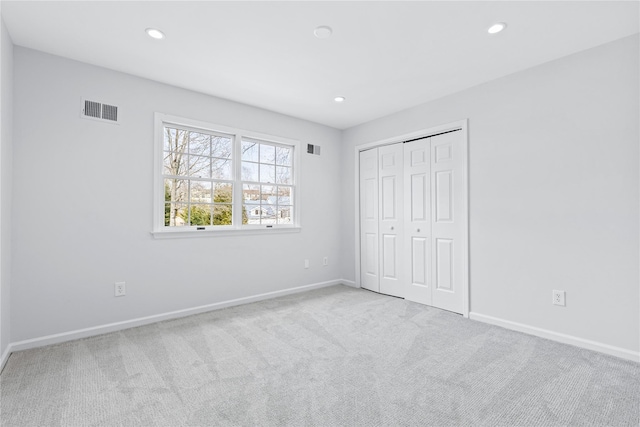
(267, 182)
(212, 177)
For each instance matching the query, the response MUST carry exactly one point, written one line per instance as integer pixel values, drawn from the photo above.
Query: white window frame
(161, 231)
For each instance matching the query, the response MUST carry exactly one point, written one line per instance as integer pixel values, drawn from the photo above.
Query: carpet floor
(336, 356)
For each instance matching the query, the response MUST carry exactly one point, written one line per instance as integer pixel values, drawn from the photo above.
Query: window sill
(192, 233)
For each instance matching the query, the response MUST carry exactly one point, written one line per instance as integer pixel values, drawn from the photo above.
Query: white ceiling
(384, 56)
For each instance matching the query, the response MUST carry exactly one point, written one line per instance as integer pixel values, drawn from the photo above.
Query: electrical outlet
(120, 289)
(306, 263)
(558, 298)
(325, 261)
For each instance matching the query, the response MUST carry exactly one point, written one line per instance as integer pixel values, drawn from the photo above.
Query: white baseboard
(118, 326)
(555, 336)
(349, 283)
(5, 357)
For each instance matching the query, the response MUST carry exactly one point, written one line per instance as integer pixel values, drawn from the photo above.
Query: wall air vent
(313, 149)
(99, 111)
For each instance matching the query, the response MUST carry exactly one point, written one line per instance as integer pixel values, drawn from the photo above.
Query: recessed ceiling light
(156, 34)
(339, 98)
(323, 32)
(497, 27)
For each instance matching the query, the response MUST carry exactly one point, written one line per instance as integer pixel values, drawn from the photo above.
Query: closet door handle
(418, 230)
(391, 228)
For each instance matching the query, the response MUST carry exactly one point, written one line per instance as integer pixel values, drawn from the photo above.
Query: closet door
(448, 222)
(413, 221)
(369, 220)
(417, 219)
(391, 223)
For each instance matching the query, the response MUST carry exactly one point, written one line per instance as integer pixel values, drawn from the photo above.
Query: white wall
(554, 179)
(6, 125)
(553, 199)
(83, 205)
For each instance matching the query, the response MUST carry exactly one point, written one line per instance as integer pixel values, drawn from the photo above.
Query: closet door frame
(463, 126)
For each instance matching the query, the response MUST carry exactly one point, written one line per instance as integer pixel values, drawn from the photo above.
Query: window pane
(200, 214)
(267, 173)
(199, 144)
(268, 217)
(250, 192)
(175, 163)
(250, 204)
(169, 137)
(251, 214)
(250, 151)
(267, 154)
(283, 156)
(175, 190)
(283, 175)
(268, 192)
(268, 207)
(167, 214)
(175, 214)
(199, 166)
(221, 168)
(200, 192)
(267, 213)
(222, 214)
(175, 140)
(249, 171)
(284, 195)
(284, 215)
(223, 193)
(221, 147)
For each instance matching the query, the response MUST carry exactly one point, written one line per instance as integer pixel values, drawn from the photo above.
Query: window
(214, 178)
(267, 182)
(198, 183)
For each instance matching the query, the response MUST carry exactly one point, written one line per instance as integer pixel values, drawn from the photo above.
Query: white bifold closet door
(417, 175)
(381, 220)
(448, 222)
(369, 259)
(413, 221)
(435, 221)
(391, 224)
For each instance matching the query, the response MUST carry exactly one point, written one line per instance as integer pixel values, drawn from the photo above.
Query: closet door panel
(418, 262)
(391, 219)
(443, 196)
(370, 258)
(444, 264)
(417, 219)
(389, 198)
(369, 213)
(418, 201)
(389, 256)
(447, 256)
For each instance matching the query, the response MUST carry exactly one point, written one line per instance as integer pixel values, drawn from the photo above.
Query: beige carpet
(335, 356)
